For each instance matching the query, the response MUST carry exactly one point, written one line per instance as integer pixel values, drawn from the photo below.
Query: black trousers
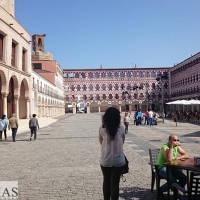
(4, 134)
(33, 131)
(14, 132)
(126, 127)
(111, 179)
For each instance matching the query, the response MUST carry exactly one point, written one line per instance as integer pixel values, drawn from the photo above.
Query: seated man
(168, 152)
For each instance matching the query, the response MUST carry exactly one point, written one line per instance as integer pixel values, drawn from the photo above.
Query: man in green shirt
(169, 152)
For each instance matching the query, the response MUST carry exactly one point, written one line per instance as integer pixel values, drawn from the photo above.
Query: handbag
(125, 169)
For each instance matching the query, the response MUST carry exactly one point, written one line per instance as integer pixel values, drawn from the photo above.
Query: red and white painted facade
(185, 79)
(101, 88)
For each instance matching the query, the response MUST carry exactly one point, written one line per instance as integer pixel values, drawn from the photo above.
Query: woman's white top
(112, 150)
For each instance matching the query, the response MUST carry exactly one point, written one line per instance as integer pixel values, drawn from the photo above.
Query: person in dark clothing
(33, 125)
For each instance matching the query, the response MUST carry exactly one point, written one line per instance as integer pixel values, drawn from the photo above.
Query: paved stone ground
(63, 163)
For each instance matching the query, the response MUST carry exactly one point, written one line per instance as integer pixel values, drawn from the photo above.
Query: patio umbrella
(179, 102)
(194, 102)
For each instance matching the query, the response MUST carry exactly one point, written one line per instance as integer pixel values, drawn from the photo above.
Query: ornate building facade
(185, 80)
(15, 64)
(47, 88)
(127, 88)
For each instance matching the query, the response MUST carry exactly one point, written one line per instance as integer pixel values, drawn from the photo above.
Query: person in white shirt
(112, 160)
(126, 122)
(150, 117)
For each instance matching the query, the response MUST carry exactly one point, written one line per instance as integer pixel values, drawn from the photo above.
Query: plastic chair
(153, 154)
(194, 189)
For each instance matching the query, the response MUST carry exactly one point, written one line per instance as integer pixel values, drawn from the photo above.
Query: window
(103, 75)
(37, 65)
(116, 74)
(96, 75)
(141, 74)
(72, 87)
(116, 87)
(104, 96)
(84, 87)
(78, 87)
(128, 74)
(23, 60)
(110, 87)
(90, 75)
(110, 96)
(1, 47)
(97, 87)
(97, 97)
(109, 74)
(13, 54)
(122, 74)
(103, 87)
(90, 87)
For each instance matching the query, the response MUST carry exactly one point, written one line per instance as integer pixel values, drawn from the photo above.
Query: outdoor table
(186, 164)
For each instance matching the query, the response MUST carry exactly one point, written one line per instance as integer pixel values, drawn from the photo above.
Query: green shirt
(161, 158)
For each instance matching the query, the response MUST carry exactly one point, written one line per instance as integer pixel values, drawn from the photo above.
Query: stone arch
(4, 83)
(26, 88)
(13, 92)
(24, 95)
(16, 85)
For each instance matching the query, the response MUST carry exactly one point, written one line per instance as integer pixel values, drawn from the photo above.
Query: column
(17, 107)
(5, 105)
(27, 108)
(99, 108)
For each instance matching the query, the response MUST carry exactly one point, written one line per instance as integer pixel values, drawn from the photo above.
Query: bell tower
(9, 6)
(38, 42)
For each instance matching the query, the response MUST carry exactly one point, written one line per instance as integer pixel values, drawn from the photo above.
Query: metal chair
(193, 192)
(153, 154)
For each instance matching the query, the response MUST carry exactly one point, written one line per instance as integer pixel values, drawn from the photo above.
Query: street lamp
(160, 79)
(136, 88)
(125, 94)
(147, 94)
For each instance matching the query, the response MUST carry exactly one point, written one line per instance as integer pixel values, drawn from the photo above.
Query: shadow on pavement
(193, 134)
(140, 193)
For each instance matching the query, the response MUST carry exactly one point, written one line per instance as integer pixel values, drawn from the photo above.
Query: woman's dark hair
(3, 117)
(111, 121)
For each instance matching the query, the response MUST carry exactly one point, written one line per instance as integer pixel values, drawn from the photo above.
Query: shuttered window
(1, 47)
(13, 54)
(23, 60)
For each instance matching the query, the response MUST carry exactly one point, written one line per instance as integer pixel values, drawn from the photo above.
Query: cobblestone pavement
(63, 163)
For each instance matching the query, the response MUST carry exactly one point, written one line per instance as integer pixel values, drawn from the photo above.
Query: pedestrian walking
(33, 125)
(126, 122)
(3, 127)
(112, 160)
(13, 124)
(139, 116)
(150, 117)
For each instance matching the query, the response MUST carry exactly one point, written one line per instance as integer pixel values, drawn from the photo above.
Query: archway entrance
(22, 102)
(10, 99)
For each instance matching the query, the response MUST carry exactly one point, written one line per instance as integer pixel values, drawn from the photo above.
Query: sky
(84, 34)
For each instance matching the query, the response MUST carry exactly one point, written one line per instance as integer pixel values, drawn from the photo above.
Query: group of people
(112, 160)
(13, 124)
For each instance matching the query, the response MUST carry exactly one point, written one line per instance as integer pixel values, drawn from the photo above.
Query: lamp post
(146, 93)
(136, 88)
(161, 80)
(125, 94)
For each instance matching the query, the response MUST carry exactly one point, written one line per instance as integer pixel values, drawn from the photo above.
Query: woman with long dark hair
(111, 138)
